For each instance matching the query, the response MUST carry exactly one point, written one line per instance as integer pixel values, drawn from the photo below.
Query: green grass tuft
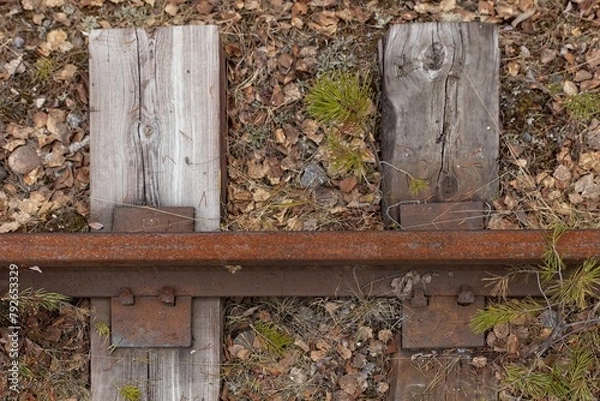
(43, 69)
(566, 378)
(583, 106)
(566, 364)
(416, 186)
(275, 339)
(129, 392)
(345, 158)
(102, 329)
(340, 98)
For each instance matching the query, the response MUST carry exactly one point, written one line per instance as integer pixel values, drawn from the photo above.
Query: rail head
(419, 248)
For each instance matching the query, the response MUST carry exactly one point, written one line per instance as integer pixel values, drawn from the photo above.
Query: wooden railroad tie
(157, 129)
(439, 125)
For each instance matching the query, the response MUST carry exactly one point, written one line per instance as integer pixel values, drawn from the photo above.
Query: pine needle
(503, 312)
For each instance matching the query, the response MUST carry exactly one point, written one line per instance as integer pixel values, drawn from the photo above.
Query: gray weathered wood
(157, 121)
(441, 377)
(439, 124)
(190, 373)
(111, 370)
(157, 101)
(440, 112)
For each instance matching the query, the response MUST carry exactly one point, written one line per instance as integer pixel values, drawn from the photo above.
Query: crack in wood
(438, 111)
(148, 129)
(148, 88)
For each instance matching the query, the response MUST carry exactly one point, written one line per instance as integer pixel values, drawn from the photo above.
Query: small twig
(77, 146)
(412, 177)
(559, 334)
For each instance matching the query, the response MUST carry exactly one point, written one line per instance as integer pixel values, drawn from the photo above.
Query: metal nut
(167, 296)
(465, 296)
(126, 296)
(419, 298)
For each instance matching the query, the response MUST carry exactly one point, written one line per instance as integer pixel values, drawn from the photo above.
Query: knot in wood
(433, 58)
(148, 131)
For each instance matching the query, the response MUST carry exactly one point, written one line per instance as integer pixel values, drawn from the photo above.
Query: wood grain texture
(439, 124)
(440, 112)
(111, 371)
(157, 129)
(447, 377)
(191, 373)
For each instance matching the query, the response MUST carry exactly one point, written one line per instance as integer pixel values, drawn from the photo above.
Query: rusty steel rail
(280, 263)
(423, 248)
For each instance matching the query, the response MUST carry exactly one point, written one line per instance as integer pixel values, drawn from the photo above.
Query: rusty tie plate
(164, 320)
(441, 321)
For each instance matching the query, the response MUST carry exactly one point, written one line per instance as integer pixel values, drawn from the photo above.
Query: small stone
(349, 384)
(74, 120)
(298, 376)
(479, 361)
(382, 387)
(310, 225)
(204, 7)
(522, 332)
(375, 348)
(23, 160)
(363, 334)
(3, 173)
(547, 56)
(570, 88)
(359, 361)
(327, 198)
(313, 176)
(18, 42)
(385, 335)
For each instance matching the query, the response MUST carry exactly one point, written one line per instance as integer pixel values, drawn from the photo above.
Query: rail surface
(423, 248)
(282, 263)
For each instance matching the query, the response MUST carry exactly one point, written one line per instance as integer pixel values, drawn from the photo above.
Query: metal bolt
(466, 296)
(167, 296)
(126, 296)
(419, 298)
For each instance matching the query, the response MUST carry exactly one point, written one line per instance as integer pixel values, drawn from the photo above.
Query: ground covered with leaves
(288, 169)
